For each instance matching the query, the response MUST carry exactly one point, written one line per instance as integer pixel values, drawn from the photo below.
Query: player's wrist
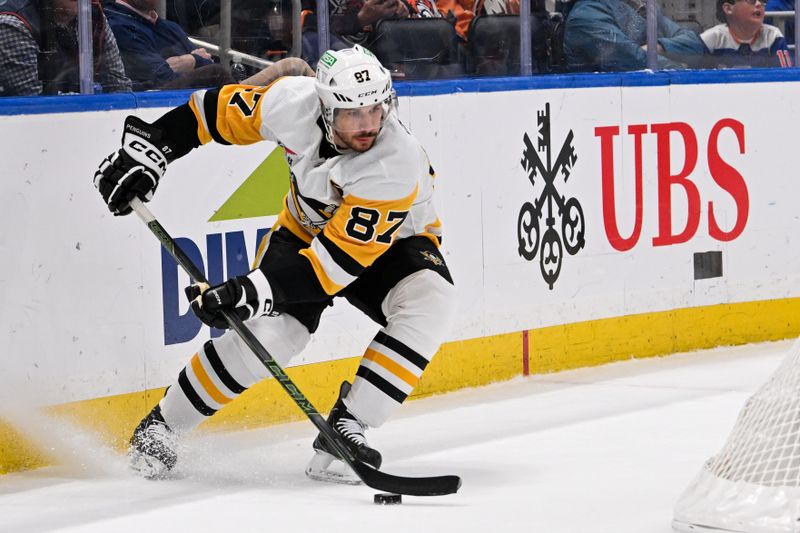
(262, 291)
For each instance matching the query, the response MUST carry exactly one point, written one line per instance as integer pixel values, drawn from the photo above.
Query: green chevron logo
(261, 194)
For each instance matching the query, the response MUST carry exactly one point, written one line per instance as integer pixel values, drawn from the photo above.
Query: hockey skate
(326, 464)
(152, 451)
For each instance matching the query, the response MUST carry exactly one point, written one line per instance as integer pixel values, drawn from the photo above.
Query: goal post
(753, 484)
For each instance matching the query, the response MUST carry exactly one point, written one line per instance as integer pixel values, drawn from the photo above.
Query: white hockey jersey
(348, 207)
(768, 48)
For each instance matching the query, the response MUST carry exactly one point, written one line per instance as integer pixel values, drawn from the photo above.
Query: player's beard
(352, 143)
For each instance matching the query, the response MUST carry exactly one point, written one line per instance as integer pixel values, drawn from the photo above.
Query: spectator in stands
(743, 40)
(39, 49)
(462, 12)
(249, 32)
(157, 53)
(783, 5)
(351, 22)
(612, 35)
(493, 43)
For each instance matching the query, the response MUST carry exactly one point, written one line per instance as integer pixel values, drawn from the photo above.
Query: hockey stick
(421, 486)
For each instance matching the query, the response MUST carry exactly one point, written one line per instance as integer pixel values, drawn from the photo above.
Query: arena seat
(493, 44)
(418, 48)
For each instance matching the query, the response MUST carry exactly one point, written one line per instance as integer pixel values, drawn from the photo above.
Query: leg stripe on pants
(381, 384)
(401, 349)
(206, 383)
(219, 369)
(193, 397)
(392, 366)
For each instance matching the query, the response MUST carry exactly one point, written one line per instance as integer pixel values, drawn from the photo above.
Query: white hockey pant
(419, 312)
(225, 367)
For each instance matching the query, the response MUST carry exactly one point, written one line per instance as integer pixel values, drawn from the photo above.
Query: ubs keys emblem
(564, 224)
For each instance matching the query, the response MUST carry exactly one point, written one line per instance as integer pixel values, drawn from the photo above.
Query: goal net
(753, 484)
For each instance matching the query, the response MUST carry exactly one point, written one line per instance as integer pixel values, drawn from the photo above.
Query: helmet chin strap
(329, 134)
(331, 137)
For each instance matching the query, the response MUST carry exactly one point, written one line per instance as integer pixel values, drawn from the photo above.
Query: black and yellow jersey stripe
(359, 232)
(229, 115)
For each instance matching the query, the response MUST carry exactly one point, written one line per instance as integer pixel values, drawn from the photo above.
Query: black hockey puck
(384, 498)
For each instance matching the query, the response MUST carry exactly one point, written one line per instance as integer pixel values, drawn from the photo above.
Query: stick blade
(411, 486)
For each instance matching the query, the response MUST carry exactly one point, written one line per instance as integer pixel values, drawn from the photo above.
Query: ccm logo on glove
(151, 154)
(135, 169)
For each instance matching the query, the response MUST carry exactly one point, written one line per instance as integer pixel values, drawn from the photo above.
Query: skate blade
(147, 466)
(325, 467)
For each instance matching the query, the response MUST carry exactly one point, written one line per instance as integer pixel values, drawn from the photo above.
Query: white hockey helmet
(349, 79)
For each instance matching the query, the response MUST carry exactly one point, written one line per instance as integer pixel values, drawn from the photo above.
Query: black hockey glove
(246, 296)
(135, 169)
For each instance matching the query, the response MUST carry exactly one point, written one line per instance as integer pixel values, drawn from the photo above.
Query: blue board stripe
(31, 105)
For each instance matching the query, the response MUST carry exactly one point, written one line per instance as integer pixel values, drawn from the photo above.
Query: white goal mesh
(753, 484)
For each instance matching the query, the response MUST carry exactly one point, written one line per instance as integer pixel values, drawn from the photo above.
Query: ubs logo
(564, 223)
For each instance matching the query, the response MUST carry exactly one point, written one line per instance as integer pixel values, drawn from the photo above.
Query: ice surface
(602, 450)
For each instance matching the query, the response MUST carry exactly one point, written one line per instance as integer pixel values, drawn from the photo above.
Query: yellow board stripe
(455, 366)
(391, 366)
(19, 452)
(206, 382)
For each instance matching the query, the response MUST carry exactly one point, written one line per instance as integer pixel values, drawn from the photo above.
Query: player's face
(358, 128)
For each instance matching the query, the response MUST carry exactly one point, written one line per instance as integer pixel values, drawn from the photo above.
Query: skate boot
(153, 444)
(326, 464)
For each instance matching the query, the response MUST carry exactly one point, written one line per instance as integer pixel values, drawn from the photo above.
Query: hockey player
(358, 222)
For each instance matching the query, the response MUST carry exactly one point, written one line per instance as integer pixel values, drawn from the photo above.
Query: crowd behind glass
(156, 44)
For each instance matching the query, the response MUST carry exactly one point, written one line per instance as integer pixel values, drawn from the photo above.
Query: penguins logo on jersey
(570, 233)
(433, 258)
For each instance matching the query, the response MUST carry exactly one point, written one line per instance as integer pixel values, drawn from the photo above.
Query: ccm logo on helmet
(368, 93)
